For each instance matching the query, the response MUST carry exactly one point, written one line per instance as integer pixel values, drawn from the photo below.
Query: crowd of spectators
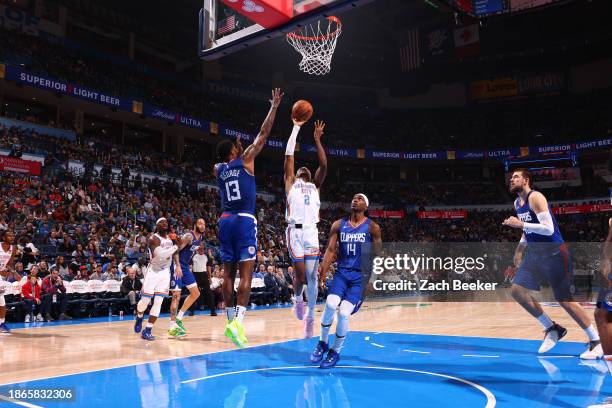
(517, 123)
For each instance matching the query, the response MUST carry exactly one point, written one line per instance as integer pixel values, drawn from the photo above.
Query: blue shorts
(238, 237)
(555, 269)
(347, 286)
(187, 279)
(602, 296)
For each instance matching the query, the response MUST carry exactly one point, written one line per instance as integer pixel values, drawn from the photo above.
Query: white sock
(338, 343)
(1, 320)
(240, 312)
(172, 324)
(324, 337)
(591, 331)
(545, 321)
(180, 315)
(230, 312)
(149, 325)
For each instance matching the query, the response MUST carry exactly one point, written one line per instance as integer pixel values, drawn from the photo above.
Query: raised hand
(277, 97)
(319, 127)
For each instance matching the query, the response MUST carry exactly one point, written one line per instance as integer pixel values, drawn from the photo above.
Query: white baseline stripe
(377, 345)
(477, 355)
(420, 352)
(17, 402)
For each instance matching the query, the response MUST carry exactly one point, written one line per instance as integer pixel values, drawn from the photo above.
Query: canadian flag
(467, 41)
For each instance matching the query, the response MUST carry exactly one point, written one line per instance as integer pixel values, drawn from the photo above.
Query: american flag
(227, 25)
(410, 54)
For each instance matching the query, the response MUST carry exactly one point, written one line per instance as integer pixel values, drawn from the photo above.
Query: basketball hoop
(316, 45)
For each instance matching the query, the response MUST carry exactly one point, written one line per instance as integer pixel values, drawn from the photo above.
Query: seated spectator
(18, 273)
(97, 273)
(33, 272)
(30, 295)
(140, 267)
(131, 287)
(260, 273)
(54, 298)
(83, 273)
(286, 288)
(272, 284)
(62, 267)
(111, 274)
(43, 269)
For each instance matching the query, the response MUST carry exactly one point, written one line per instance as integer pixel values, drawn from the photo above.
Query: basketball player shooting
(190, 242)
(546, 258)
(347, 287)
(163, 249)
(237, 224)
(302, 215)
(8, 255)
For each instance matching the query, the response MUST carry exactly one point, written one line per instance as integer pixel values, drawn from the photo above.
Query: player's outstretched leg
(333, 355)
(141, 307)
(312, 281)
(331, 304)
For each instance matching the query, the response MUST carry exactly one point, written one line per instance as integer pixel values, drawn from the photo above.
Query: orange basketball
(302, 111)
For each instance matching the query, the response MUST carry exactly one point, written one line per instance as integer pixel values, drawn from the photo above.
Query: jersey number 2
(233, 190)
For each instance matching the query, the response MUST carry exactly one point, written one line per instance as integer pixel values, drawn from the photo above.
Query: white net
(316, 44)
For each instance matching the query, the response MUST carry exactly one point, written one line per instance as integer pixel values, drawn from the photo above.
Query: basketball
(302, 111)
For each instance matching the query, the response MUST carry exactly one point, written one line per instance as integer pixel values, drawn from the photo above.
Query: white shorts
(156, 283)
(303, 243)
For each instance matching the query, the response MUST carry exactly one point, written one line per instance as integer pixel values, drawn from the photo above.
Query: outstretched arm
(289, 158)
(321, 172)
(376, 235)
(260, 141)
(330, 252)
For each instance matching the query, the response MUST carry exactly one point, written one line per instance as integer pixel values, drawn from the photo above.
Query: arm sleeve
(292, 141)
(545, 227)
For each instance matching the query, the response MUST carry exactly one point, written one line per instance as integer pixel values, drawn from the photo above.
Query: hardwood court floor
(48, 351)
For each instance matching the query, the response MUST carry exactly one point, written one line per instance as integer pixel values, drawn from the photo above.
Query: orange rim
(321, 37)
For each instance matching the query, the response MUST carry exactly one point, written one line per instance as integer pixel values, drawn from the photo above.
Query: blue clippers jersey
(350, 240)
(526, 214)
(186, 254)
(237, 187)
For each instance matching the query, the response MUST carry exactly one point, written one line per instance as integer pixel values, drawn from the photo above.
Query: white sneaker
(39, 318)
(27, 319)
(551, 337)
(593, 351)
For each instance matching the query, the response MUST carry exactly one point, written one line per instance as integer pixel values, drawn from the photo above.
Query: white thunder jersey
(162, 257)
(5, 257)
(303, 204)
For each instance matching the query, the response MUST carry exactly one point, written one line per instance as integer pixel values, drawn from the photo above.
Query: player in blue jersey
(237, 224)
(603, 311)
(189, 244)
(349, 282)
(542, 255)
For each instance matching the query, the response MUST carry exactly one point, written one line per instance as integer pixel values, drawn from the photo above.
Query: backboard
(224, 30)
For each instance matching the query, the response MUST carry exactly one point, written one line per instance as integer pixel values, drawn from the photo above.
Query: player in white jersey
(163, 248)
(302, 215)
(8, 254)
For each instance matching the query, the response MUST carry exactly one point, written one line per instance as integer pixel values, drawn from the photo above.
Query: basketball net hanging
(316, 44)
